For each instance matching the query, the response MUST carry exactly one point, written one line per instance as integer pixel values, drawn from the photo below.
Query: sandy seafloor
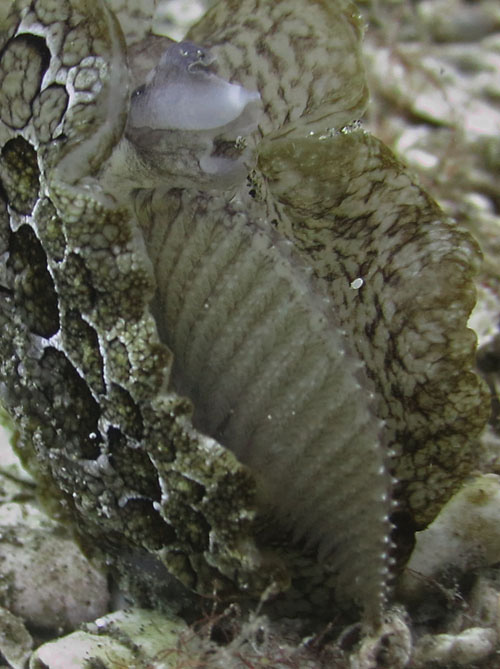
(434, 74)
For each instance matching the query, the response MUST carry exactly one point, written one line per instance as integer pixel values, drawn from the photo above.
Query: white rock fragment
(151, 631)
(458, 21)
(442, 88)
(484, 603)
(464, 536)
(471, 645)
(127, 638)
(78, 648)
(15, 513)
(15, 640)
(47, 580)
(485, 316)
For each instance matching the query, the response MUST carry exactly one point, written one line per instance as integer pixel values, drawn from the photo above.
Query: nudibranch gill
(233, 325)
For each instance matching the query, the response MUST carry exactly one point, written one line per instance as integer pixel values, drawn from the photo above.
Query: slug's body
(199, 238)
(256, 344)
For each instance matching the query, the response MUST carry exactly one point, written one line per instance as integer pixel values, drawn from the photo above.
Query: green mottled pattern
(83, 368)
(303, 58)
(354, 211)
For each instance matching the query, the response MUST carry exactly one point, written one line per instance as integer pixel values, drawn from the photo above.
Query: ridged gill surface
(268, 371)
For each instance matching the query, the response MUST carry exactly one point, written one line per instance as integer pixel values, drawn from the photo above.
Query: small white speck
(357, 283)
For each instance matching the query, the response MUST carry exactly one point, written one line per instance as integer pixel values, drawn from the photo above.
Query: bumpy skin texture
(83, 369)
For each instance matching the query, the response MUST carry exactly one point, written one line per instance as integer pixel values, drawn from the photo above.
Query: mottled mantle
(97, 231)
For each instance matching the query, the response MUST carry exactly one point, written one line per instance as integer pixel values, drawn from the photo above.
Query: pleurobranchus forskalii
(233, 326)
